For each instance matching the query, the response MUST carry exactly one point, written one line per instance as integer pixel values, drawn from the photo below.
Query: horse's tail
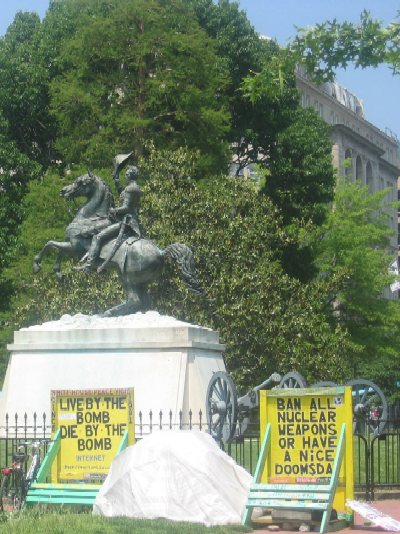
(183, 256)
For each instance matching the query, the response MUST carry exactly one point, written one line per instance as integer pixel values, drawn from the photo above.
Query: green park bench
(81, 494)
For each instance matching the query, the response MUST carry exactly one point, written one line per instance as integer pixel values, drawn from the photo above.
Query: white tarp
(177, 475)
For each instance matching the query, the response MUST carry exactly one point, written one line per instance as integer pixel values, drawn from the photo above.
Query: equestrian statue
(104, 237)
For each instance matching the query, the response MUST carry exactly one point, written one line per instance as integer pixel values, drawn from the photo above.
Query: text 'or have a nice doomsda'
(307, 436)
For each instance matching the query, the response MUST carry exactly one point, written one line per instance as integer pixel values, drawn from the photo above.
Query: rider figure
(127, 220)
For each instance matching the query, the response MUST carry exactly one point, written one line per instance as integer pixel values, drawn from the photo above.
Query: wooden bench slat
(287, 505)
(60, 500)
(69, 494)
(57, 493)
(294, 487)
(66, 487)
(302, 496)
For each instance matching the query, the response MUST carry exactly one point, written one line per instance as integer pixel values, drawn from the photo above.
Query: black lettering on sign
(321, 455)
(91, 430)
(116, 430)
(72, 404)
(301, 417)
(93, 417)
(286, 443)
(288, 404)
(314, 443)
(115, 403)
(68, 431)
(332, 429)
(93, 403)
(321, 404)
(94, 444)
(302, 469)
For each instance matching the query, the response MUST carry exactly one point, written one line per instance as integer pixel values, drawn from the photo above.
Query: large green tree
(255, 123)
(15, 173)
(355, 245)
(24, 88)
(300, 182)
(133, 72)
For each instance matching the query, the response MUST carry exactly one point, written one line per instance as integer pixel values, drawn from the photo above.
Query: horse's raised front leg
(62, 248)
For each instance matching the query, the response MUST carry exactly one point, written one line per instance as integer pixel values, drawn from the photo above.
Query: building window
(348, 164)
(369, 177)
(359, 168)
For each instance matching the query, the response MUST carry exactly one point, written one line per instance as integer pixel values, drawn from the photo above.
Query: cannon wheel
(293, 379)
(222, 407)
(365, 395)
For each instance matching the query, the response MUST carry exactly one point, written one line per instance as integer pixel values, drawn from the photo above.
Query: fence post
(34, 424)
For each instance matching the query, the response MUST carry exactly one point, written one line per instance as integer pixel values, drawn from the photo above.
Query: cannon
(228, 415)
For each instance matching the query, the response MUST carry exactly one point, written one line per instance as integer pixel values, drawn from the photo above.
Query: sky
(377, 88)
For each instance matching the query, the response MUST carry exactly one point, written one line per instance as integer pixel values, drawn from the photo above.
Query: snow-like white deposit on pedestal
(150, 319)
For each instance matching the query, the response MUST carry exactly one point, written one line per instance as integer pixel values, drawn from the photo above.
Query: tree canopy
(324, 47)
(16, 171)
(355, 245)
(138, 71)
(24, 88)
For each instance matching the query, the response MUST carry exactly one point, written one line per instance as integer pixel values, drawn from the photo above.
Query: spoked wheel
(19, 494)
(222, 407)
(293, 379)
(9, 494)
(368, 397)
(4, 492)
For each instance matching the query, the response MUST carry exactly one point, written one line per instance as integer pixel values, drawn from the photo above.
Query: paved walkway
(390, 507)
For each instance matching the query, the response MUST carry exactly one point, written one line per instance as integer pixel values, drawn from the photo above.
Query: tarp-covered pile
(183, 476)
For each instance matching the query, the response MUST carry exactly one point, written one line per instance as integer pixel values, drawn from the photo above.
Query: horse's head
(82, 187)
(99, 198)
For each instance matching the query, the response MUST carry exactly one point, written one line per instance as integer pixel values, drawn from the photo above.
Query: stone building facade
(360, 150)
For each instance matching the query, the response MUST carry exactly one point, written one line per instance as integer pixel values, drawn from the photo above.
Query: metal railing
(376, 456)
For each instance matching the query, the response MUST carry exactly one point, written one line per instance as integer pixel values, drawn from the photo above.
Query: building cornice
(342, 128)
(345, 109)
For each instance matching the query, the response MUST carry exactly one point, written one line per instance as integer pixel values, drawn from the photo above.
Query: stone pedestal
(168, 362)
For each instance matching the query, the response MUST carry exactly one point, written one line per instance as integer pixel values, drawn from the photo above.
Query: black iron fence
(376, 444)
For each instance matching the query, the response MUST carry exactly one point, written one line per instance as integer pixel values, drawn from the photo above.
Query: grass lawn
(49, 522)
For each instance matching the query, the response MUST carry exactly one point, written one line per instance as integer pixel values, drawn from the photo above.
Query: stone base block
(168, 362)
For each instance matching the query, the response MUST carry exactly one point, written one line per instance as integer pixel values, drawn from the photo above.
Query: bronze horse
(138, 262)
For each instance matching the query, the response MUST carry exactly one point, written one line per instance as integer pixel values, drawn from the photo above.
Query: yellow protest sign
(92, 424)
(305, 428)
